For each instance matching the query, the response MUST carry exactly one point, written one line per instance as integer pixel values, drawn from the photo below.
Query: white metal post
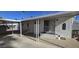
(20, 29)
(12, 27)
(37, 29)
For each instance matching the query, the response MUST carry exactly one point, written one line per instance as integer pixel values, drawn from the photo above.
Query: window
(64, 26)
(46, 25)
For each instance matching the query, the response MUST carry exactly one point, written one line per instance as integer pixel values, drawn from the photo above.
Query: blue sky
(25, 14)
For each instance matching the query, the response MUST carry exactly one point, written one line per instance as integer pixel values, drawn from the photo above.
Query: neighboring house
(62, 23)
(75, 28)
(14, 27)
(8, 25)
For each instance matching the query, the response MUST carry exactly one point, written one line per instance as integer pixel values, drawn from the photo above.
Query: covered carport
(8, 26)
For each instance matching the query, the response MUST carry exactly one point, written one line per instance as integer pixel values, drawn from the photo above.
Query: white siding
(52, 26)
(58, 26)
(64, 33)
(24, 26)
(31, 26)
(41, 26)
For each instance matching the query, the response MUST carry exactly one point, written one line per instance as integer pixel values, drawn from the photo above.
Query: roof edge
(59, 13)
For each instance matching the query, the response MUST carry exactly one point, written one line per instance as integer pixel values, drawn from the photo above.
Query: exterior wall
(24, 26)
(31, 26)
(58, 27)
(55, 26)
(41, 26)
(52, 25)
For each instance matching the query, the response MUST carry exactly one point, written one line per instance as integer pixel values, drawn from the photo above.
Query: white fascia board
(11, 20)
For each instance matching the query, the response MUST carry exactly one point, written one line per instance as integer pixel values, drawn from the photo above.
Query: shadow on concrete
(5, 41)
(29, 34)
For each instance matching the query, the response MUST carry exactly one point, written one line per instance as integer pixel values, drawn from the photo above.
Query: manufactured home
(63, 24)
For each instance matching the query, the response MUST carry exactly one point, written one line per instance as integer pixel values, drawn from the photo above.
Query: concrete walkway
(67, 43)
(15, 41)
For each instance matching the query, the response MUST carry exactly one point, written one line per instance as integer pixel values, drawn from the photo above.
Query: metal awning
(66, 13)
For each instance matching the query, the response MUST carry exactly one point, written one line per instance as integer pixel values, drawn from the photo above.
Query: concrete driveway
(15, 41)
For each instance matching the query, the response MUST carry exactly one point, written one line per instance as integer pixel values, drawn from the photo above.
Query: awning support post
(20, 29)
(12, 28)
(37, 29)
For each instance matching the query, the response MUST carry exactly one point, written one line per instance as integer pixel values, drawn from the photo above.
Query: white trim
(10, 20)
